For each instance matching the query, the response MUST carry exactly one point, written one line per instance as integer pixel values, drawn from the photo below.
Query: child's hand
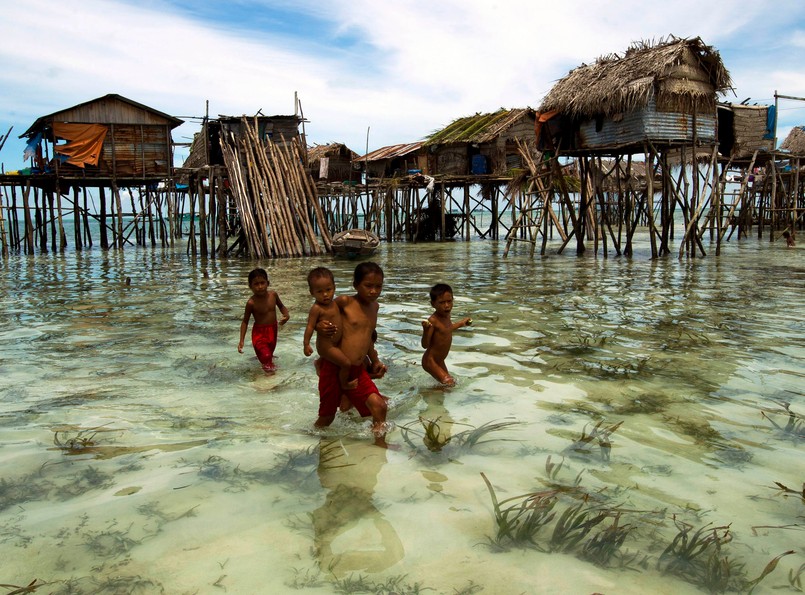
(284, 319)
(467, 321)
(240, 347)
(426, 325)
(326, 327)
(378, 370)
(308, 350)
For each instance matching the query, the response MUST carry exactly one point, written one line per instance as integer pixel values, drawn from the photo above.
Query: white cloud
(419, 64)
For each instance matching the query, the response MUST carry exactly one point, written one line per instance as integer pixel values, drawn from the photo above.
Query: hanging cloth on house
(85, 142)
(771, 122)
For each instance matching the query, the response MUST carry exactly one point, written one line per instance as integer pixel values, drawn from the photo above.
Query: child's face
(322, 289)
(259, 285)
(370, 287)
(444, 303)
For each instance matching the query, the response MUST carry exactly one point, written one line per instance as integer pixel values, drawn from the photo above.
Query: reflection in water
(351, 534)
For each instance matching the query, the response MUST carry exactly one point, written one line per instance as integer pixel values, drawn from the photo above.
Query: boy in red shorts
(359, 319)
(263, 306)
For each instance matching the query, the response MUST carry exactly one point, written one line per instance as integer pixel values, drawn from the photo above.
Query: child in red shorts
(263, 306)
(358, 319)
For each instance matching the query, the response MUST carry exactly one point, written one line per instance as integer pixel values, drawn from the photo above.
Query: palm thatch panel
(795, 141)
(680, 75)
(744, 129)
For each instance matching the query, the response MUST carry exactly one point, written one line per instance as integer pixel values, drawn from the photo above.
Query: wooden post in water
(202, 216)
(119, 207)
(29, 226)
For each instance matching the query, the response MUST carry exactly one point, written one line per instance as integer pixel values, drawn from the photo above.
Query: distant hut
(483, 144)
(331, 163)
(653, 93)
(394, 161)
(794, 143)
(744, 129)
(109, 137)
(206, 146)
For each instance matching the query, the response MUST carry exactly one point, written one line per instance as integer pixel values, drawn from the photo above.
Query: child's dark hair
(320, 273)
(438, 290)
(257, 273)
(366, 268)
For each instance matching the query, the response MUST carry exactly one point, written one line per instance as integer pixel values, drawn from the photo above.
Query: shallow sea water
(142, 454)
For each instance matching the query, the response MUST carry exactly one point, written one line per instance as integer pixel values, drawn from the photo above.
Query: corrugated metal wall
(647, 124)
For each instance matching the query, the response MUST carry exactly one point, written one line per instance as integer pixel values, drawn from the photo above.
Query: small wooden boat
(355, 243)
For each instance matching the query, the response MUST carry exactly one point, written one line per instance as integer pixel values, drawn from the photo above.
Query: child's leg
(264, 341)
(437, 369)
(378, 407)
(336, 356)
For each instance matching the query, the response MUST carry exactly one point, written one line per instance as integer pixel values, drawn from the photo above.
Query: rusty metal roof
(391, 152)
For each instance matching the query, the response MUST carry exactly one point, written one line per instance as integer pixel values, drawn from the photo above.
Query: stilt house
(394, 161)
(110, 137)
(206, 146)
(332, 163)
(483, 144)
(663, 93)
(794, 143)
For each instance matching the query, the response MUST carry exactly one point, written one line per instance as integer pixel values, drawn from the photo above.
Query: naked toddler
(437, 334)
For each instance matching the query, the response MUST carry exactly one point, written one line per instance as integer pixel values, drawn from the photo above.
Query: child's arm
(463, 322)
(376, 368)
(244, 325)
(427, 333)
(283, 310)
(312, 318)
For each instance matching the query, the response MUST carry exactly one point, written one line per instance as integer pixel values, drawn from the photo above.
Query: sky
(367, 73)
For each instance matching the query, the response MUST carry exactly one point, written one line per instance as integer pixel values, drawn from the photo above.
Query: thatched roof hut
(331, 162)
(794, 143)
(653, 92)
(481, 144)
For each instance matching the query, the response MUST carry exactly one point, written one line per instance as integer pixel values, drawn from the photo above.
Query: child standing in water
(358, 320)
(263, 306)
(321, 283)
(437, 334)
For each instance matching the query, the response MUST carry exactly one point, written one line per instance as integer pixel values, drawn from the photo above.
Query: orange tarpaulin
(86, 141)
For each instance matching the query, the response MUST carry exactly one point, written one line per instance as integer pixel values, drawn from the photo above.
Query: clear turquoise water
(141, 453)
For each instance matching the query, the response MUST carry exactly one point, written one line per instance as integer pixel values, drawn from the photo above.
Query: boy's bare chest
(264, 305)
(357, 316)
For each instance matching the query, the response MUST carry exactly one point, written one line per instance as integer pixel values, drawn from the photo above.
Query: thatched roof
(316, 152)
(390, 152)
(795, 141)
(480, 128)
(679, 74)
